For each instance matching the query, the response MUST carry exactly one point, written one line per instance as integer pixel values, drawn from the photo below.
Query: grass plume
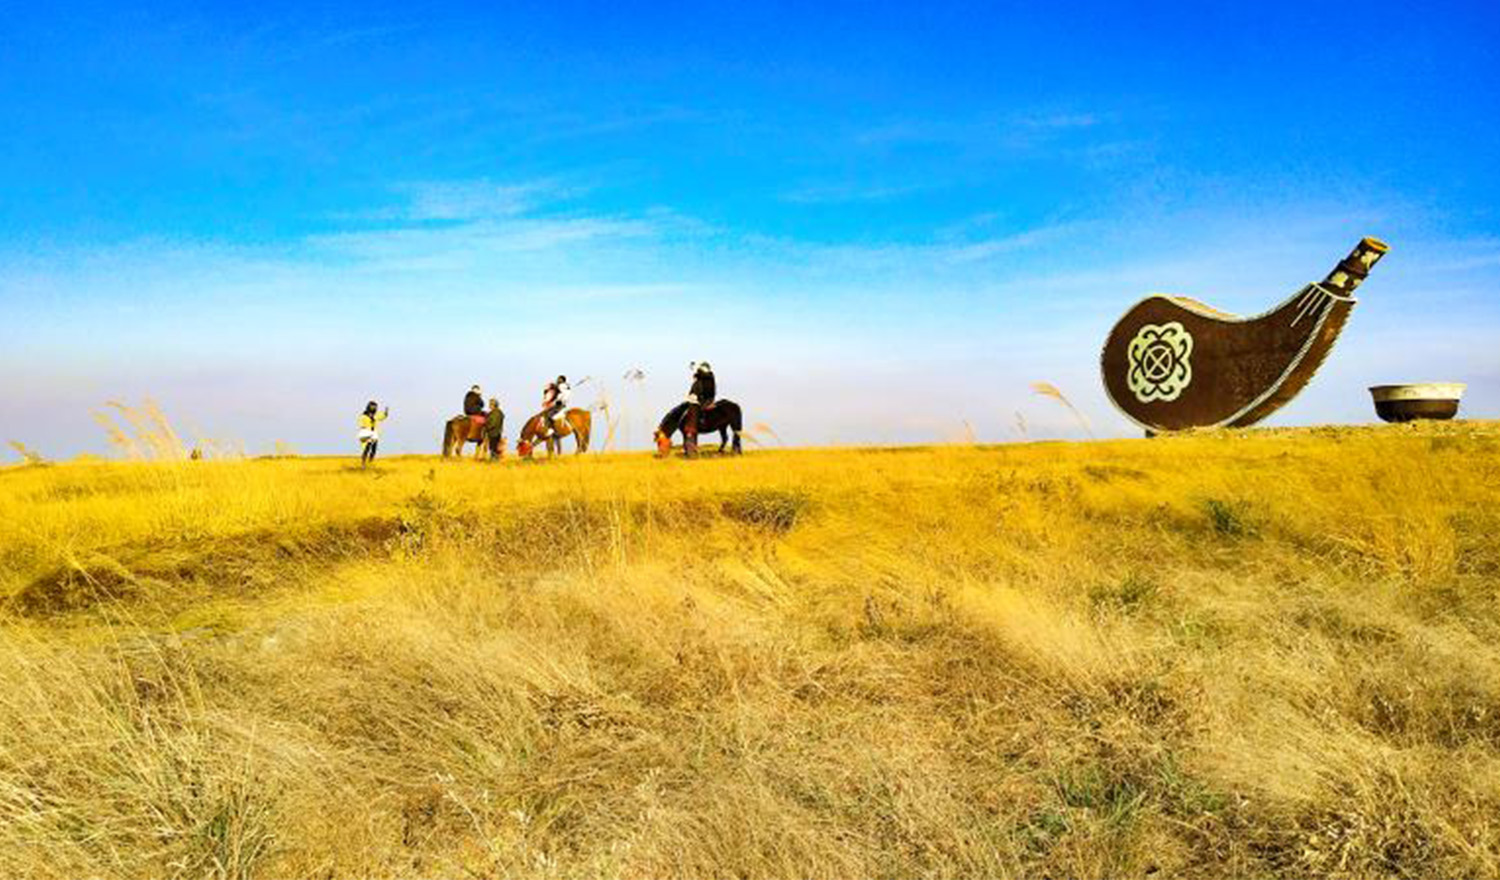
(1047, 389)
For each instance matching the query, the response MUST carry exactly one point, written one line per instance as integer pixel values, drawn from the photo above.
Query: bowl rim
(1419, 391)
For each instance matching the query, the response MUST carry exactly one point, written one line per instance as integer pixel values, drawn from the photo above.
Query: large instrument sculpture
(1173, 363)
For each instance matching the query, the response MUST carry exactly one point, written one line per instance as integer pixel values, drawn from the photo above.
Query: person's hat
(703, 367)
(474, 388)
(561, 378)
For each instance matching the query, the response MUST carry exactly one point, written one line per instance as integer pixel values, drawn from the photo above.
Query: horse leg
(689, 427)
(723, 439)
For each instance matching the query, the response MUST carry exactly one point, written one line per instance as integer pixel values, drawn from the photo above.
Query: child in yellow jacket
(369, 435)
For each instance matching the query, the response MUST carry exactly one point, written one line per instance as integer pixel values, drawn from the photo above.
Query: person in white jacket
(555, 402)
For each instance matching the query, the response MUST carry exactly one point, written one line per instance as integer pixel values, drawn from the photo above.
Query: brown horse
(578, 422)
(460, 430)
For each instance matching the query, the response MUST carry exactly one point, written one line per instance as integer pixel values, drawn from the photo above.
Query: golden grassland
(1228, 654)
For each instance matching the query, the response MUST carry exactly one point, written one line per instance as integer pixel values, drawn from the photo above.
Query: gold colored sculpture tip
(1376, 244)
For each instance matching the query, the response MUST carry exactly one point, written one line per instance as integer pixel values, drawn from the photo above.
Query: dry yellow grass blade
(1047, 389)
(28, 455)
(147, 435)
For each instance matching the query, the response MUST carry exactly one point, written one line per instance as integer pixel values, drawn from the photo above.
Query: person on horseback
(474, 402)
(474, 406)
(701, 394)
(703, 390)
(494, 429)
(555, 403)
(369, 434)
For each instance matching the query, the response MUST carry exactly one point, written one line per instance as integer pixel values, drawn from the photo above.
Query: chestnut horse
(723, 417)
(578, 422)
(460, 430)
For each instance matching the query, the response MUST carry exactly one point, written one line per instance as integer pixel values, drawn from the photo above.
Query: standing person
(369, 434)
(555, 402)
(494, 429)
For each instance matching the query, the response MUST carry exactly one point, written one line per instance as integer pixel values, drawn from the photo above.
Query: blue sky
(879, 222)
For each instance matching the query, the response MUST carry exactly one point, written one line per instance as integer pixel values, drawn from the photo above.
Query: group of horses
(723, 417)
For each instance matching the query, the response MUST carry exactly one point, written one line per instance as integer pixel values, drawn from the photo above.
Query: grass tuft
(774, 510)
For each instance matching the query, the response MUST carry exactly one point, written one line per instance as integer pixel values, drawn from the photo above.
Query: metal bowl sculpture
(1173, 363)
(1422, 400)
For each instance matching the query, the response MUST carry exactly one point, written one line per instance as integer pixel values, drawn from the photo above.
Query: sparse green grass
(1245, 654)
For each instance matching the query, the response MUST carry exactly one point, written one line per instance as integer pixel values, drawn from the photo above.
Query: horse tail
(584, 429)
(447, 438)
(737, 422)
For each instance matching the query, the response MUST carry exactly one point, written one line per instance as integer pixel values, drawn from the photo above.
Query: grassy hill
(1230, 654)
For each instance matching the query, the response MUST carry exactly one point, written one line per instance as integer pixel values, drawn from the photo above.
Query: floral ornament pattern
(1160, 362)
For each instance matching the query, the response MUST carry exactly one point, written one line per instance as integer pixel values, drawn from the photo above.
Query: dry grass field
(1257, 654)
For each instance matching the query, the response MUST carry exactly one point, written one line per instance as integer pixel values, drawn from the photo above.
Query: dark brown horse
(724, 417)
(460, 430)
(578, 422)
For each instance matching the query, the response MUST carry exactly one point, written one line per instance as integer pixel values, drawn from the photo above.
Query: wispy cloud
(1016, 131)
(464, 202)
(1057, 121)
(477, 199)
(473, 244)
(843, 193)
(986, 249)
(1109, 155)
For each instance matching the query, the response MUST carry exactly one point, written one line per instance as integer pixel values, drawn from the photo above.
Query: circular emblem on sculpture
(1160, 362)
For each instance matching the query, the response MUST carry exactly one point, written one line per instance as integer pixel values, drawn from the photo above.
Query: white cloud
(1061, 120)
(476, 199)
(841, 193)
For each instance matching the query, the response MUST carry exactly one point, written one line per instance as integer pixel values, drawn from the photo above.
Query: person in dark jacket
(494, 429)
(474, 402)
(701, 394)
(703, 390)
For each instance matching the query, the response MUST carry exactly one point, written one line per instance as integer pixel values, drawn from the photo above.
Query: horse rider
(704, 390)
(494, 429)
(701, 395)
(555, 402)
(369, 433)
(474, 403)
